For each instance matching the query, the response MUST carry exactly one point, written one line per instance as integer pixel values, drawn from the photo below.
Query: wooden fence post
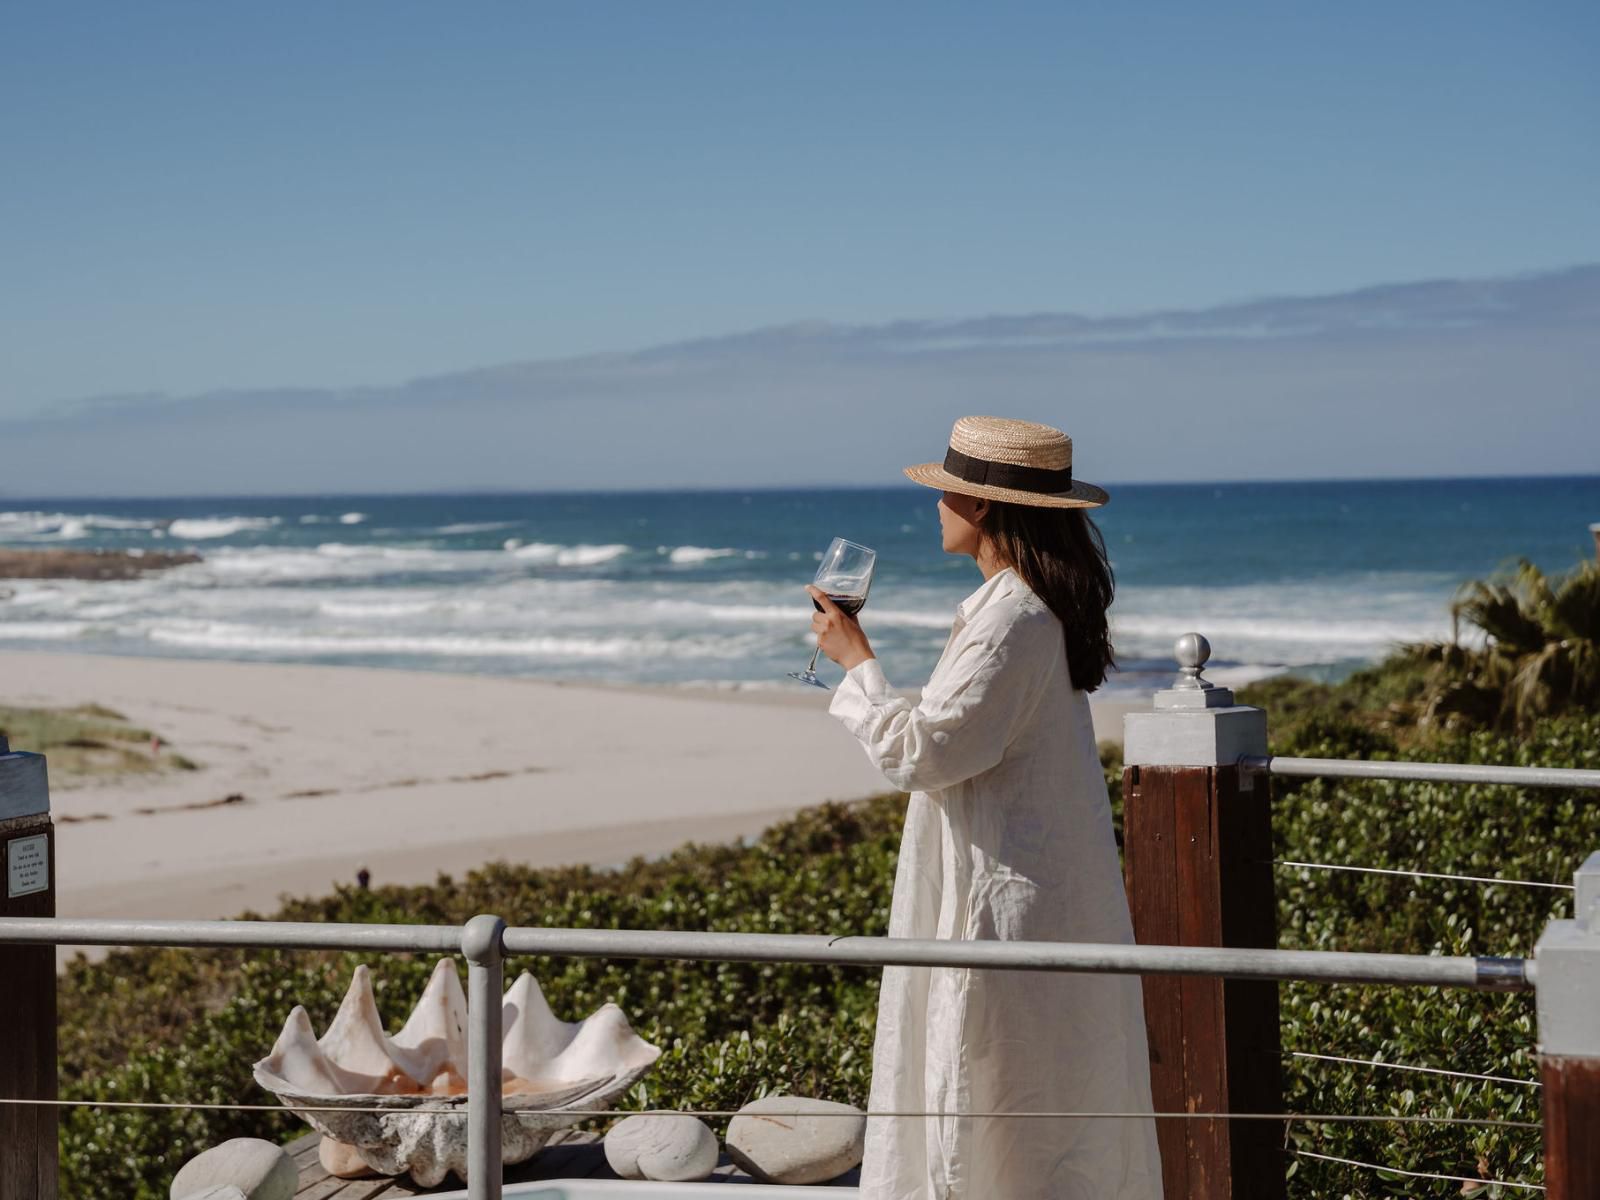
(28, 1155)
(1568, 962)
(1197, 843)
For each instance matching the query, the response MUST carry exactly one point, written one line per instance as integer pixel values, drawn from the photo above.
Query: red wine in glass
(845, 574)
(849, 605)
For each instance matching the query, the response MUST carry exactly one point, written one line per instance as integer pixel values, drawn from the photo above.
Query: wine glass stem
(812, 669)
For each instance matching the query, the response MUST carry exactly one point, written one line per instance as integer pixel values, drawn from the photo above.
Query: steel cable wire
(1351, 1162)
(1377, 1062)
(1485, 879)
(461, 1109)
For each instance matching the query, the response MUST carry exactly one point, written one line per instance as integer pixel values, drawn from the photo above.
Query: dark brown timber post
(1568, 962)
(27, 983)
(1197, 843)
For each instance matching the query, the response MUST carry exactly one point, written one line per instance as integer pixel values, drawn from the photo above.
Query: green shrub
(1528, 834)
(174, 1024)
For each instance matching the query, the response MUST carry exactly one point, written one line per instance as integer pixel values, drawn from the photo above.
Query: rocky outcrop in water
(87, 564)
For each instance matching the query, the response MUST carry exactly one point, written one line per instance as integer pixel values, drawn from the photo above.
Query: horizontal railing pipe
(1329, 966)
(283, 935)
(1496, 974)
(1551, 777)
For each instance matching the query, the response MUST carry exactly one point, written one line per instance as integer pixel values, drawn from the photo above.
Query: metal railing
(1328, 966)
(1340, 768)
(485, 941)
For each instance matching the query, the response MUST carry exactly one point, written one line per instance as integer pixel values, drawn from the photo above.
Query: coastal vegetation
(183, 1025)
(1541, 654)
(88, 743)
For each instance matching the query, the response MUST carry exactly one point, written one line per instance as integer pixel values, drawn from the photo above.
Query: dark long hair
(1060, 555)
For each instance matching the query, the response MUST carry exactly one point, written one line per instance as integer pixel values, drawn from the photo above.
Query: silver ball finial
(1190, 690)
(1192, 652)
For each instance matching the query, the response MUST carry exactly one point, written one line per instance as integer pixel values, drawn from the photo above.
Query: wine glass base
(809, 677)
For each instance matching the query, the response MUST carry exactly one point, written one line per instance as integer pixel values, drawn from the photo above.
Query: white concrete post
(1194, 722)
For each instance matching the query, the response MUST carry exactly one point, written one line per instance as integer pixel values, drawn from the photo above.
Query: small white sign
(27, 865)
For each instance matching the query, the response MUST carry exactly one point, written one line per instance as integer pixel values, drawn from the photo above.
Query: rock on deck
(571, 1154)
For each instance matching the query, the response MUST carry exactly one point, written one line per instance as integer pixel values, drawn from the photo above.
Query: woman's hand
(838, 634)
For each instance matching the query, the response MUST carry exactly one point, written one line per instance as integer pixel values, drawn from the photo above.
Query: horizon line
(738, 489)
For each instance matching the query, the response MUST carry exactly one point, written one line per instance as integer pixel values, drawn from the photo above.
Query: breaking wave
(568, 556)
(199, 529)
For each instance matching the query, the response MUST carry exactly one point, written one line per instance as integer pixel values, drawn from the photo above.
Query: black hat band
(1007, 475)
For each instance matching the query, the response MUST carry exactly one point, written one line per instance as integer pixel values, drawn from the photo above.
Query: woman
(1008, 835)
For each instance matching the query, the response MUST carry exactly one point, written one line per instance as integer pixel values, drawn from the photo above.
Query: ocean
(705, 588)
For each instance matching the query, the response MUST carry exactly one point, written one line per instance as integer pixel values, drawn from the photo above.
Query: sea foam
(198, 529)
(42, 526)
(43, 631)
(683, 555)
(225, 636)
(476, 526)
(569, 556)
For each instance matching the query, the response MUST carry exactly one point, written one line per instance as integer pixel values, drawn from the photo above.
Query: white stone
(223, 1191)
(257, 1168)
(820, 1144)
(667, 1149)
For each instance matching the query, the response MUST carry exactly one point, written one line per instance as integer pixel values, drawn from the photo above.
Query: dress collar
(1003, 583)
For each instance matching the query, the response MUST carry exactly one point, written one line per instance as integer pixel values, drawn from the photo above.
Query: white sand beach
(414, 773)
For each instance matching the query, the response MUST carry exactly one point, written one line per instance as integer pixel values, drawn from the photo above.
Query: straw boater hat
(1019, 462)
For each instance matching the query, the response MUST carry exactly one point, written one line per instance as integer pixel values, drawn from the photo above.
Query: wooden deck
(573, 1154)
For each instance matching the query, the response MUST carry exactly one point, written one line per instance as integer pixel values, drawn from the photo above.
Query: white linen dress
(1008, 835)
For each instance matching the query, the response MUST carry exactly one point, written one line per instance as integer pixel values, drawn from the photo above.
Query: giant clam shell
(547, 1063)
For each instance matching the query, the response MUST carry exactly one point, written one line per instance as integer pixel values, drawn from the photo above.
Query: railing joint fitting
(483, 940)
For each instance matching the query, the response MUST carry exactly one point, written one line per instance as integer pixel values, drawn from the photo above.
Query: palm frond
(1540, 683)
(1498, 609)
(1541, 655)
(1575, 606)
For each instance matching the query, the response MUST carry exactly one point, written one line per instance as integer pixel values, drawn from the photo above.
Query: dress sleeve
(969, 713)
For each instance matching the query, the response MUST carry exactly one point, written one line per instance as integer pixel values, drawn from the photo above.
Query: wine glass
(846, 575)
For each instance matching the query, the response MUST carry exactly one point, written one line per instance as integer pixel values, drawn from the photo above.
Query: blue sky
(203, 196)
